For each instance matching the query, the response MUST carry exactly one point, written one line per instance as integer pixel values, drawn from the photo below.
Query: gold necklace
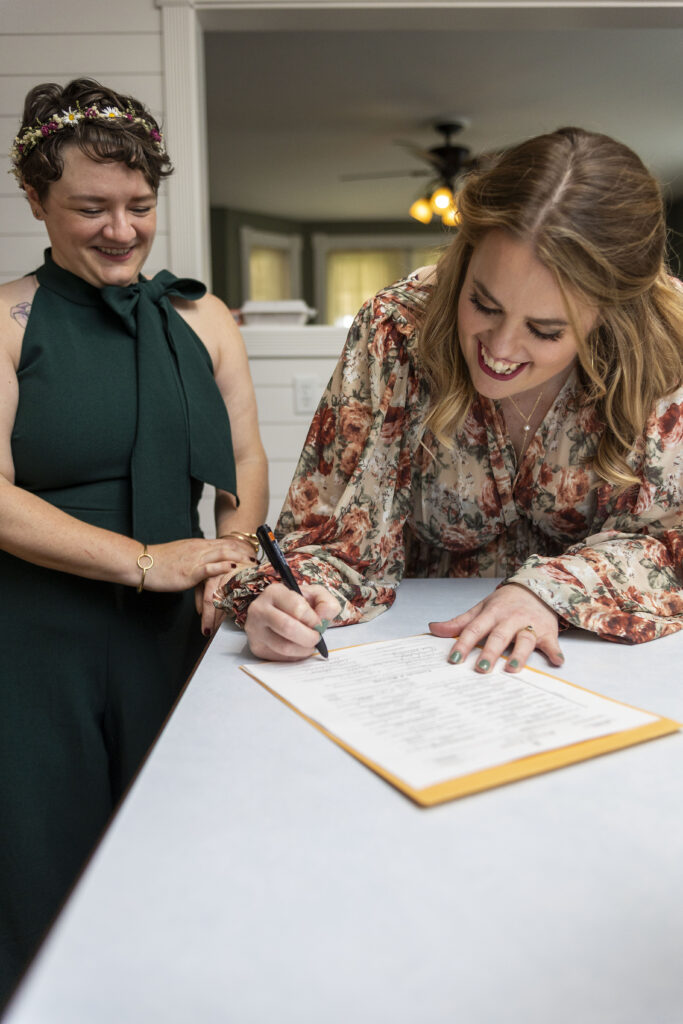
(527, 424)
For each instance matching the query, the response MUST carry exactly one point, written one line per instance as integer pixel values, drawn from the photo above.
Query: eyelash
(487, 311)
(139, 211)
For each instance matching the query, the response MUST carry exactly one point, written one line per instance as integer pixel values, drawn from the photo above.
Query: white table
(258, 873)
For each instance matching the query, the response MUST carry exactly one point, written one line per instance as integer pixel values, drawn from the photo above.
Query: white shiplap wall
(122, 46)
(118, 44)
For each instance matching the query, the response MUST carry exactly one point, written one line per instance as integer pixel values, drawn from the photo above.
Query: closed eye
(554, 336)
(492, 311)
(480, 307)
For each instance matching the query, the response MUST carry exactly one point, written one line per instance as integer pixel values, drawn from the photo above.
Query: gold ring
(530, 629)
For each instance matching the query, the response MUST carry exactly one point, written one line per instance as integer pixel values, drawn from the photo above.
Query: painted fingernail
(513, 663)
(233, 565)
(322, 626)
(455, 657)
(206, 632)
(484, 665)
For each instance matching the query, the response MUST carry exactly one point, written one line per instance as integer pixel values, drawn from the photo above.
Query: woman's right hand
(182, 564)
(281, 624)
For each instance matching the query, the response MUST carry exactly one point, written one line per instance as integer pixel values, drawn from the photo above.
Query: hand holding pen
(278, 622)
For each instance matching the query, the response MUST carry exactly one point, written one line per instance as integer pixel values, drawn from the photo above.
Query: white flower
(71, 117)
(111, 112)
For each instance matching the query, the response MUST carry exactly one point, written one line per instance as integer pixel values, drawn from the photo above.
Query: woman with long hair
(515, 412)
(119, 397)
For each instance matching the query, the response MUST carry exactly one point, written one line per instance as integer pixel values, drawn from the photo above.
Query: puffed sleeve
(625, 582)
(342, 523)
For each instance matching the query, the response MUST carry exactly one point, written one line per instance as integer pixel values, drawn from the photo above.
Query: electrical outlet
(307, 391)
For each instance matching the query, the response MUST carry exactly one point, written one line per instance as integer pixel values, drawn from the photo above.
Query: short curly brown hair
(128, 141)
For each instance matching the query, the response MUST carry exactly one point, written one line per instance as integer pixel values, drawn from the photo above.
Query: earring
(36, 213)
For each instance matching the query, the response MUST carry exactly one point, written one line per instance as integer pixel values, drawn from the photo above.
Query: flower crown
(31, 136)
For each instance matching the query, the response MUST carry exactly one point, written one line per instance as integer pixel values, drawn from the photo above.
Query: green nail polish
(513, 663)
(322, 626)
(484, 665)
(455, 658)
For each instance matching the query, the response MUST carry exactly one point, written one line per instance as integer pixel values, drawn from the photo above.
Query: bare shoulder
(213, 322)
(17, 293)
(16, 298)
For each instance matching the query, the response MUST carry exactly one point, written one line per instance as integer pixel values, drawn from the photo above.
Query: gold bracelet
(144, 568)
(248, 538)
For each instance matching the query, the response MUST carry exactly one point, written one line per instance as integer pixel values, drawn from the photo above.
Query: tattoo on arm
(20, 313)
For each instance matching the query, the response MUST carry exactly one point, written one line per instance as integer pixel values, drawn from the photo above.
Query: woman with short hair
(120, 397)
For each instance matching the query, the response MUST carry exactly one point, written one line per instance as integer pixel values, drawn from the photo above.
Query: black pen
(273, 553)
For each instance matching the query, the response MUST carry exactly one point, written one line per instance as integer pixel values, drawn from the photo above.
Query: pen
(273, 553)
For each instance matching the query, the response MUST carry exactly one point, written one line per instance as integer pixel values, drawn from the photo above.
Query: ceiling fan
(445, 163)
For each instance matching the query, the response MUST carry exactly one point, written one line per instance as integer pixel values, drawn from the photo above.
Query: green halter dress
(119, 423)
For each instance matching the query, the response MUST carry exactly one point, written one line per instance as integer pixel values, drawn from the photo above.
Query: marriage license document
(438, 731)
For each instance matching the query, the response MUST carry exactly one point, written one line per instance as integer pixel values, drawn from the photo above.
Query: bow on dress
(183, 430)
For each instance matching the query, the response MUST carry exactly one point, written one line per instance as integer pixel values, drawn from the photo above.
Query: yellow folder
(510, 771)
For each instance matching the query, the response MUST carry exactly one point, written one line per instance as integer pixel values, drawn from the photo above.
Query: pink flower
(670, 425)
(573, 486)
(489, 499)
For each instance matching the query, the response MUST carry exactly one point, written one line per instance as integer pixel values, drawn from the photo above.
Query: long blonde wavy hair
(594, 217)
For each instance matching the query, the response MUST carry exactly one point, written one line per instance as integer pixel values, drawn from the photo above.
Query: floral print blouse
(376, 497)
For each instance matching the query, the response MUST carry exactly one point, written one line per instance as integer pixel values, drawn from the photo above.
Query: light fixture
(439, 199)
(421, 210)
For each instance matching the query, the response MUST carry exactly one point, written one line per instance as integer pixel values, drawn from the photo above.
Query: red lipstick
(492, 373)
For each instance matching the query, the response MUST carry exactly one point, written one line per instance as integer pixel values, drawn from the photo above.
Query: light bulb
(421, 210)
(441, 199)
(450, 217)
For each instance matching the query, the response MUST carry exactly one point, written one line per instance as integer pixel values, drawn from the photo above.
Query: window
(270, 273)
(349, 269)
(271, 265)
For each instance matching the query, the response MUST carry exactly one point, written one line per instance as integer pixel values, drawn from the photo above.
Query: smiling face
(514, 327)
(101, 219)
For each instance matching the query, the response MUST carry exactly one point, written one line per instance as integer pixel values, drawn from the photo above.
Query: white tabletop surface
(259, 873)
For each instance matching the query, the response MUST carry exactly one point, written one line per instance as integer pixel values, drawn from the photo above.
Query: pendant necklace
(527, 427)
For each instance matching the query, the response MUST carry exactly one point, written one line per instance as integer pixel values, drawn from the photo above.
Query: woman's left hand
(501, 619)
(204, 592)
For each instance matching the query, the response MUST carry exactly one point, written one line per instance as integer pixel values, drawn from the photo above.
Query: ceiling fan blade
(419, 152)
(383, 174)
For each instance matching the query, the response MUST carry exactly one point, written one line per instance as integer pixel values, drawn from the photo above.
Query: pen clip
(273, 553)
